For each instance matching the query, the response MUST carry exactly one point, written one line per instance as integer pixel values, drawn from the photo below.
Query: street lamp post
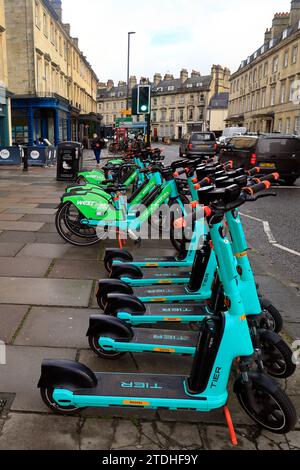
(128, 67)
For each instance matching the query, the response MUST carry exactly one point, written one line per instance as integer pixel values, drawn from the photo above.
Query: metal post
(148, 130)
(128, 69)
(25, 158)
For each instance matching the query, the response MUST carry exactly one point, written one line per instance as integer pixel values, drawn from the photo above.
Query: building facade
(54, 87)
(264, 91)
(4, 93)
(179, 105)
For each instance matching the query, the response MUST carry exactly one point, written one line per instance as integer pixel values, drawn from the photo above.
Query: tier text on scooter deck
(154, 459)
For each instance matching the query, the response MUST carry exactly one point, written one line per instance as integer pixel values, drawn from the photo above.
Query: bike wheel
(273, 320)
(47, 397)
(271, 408)
(66, 228)
(276, 355)
(100, 352)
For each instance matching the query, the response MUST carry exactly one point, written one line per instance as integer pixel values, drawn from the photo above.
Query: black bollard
(25, 158)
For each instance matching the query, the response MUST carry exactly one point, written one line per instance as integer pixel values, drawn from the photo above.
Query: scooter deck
(168, 337)
(139, 386)
(175, 310)
(161, 291)
(166, 274)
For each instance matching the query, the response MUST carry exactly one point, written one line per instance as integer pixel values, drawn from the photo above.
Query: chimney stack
(110, 84)
(157, 79)
(184, 75)
(132, 81)
(268, 35)
(280, 22)
(295, 12)
(195, 74)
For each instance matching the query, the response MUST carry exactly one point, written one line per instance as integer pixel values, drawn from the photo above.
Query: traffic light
(144, 99)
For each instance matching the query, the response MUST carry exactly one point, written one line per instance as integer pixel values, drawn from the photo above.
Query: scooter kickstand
(230, 426)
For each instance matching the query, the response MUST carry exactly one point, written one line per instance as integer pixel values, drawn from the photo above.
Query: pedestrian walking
(97, 145)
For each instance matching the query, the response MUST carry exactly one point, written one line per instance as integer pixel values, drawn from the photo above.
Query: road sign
(123, 122)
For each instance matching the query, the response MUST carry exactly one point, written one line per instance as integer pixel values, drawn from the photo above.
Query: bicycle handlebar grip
(256, 188)
(202, 183)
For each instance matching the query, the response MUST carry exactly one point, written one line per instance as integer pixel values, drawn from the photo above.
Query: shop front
(40, 118)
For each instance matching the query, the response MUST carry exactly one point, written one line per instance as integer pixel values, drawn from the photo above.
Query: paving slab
(23, 267)
(56, 327)
(11, 317)
(48, 228)
(18, 237)
(8, 249)
(21, 226)
(77, 269)
(126, 434)
(11, 217)
(21, 373)
(38, 218)
(270, 441)
(50, 292)
(97, 434)
(66, 251)
(39, 432)
(217, 438)
(35, 211)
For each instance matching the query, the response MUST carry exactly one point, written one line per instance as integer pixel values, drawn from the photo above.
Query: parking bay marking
(270, 236)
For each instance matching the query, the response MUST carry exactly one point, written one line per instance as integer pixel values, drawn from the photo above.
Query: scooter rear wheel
(47, 397)
(100, 352)
(272, 410)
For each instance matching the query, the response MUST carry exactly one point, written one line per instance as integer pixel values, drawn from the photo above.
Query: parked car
(198, 144)
(270, 152)
(230, 132)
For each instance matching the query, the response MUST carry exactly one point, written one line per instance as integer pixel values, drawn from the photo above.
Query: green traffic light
(144, 107)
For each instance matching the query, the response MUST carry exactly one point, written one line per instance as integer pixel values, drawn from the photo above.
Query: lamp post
(128, 66)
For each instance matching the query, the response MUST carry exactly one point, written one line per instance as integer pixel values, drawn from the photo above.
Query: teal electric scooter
(68, 386)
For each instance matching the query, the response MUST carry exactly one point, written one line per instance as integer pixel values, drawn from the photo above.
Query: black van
(270, 152)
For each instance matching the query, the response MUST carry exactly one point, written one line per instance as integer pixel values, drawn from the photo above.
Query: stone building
(263, 92)
(54, 86)
(4, 93)
(179, 105)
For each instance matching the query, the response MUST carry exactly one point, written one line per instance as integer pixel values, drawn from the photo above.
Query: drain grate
(6, 401)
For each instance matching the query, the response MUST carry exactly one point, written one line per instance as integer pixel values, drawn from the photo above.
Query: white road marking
(269, 234)
(293, 252)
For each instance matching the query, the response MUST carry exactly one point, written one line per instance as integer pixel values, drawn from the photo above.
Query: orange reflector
(152, 265)
(164, 282)
(159, 299)
(241, 255)
(243, 318)
(136, 403)
(171, 319)
(164, 350)
(180, 223)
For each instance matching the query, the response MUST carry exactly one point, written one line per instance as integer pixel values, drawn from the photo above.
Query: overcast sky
(170, 34)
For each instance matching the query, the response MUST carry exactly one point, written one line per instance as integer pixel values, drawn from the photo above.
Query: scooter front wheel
(268, 405)
(272, 320)
(96, 348)
(47, 397)
(277, 356)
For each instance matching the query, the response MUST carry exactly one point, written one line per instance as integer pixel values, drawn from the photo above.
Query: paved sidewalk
(46, 298)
